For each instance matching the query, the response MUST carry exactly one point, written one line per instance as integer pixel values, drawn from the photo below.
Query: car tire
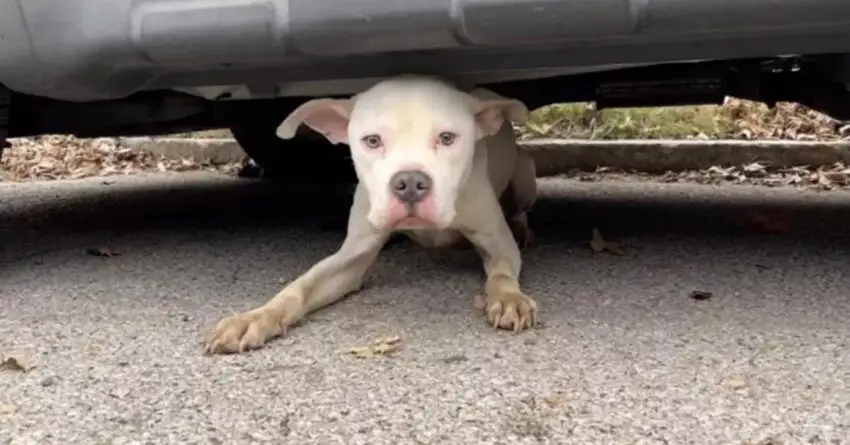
(306, 159)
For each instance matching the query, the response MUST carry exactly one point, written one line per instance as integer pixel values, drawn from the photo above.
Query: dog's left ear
(329, 117)
(490, 114)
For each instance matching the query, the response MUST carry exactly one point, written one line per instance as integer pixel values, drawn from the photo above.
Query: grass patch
(736, 119)
(582, 121)
(208, 134)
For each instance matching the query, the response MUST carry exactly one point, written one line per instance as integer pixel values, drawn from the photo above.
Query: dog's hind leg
(326, 282)
(520, 196)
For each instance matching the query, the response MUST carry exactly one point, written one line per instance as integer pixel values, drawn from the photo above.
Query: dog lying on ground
(434, 163)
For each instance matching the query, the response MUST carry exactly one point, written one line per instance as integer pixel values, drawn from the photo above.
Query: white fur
(409, 112)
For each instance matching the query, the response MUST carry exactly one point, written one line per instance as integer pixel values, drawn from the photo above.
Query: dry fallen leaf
(103, 252)
(382, 346)
(701, 295)
(833, 178)
(767, 222)
(755, 169)
(60, 156)
(736, 383)
(120, 392)
(8, 408)
(422, 439)
(18, 364)
(360, 352)
(598, 244)
(553, 400)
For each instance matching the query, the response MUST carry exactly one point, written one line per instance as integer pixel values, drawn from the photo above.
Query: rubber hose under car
(4, 117)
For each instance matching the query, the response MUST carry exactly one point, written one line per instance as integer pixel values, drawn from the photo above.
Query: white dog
(432, 163)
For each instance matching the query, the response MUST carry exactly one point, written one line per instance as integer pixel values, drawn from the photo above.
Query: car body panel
(83, 50)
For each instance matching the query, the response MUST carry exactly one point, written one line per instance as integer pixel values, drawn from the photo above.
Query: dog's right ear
(329, 117)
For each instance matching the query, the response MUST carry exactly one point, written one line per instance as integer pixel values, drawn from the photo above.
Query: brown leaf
(755, 169)
(102, 252)
(361, 352)
(17, 364)
(835, 177)
(553, 400)
(735, 383)
(598, 244)
(824, 182)
(380, 347)
(767, 222)
(701, 295)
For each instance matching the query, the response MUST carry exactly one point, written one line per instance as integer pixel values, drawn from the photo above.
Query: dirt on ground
(823, 178)
(67, 157)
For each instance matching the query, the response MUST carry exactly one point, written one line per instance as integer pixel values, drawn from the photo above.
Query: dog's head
(412, 141)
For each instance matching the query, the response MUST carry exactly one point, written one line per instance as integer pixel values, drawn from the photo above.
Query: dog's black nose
(410, 186)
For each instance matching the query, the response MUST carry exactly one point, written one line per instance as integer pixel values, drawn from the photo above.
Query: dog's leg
(517, 219)
(326, 282)
(503, 303)
(523, 194)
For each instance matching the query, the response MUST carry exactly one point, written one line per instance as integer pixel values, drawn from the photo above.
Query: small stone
(455, 359)
(48, 381)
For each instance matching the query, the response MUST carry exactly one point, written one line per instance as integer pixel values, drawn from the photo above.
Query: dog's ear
(329, 117)
(490, 114)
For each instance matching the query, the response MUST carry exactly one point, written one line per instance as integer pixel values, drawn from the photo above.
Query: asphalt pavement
(624, 354)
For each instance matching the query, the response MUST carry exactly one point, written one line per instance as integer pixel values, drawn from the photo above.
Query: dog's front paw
(509, 310)
(242, 332)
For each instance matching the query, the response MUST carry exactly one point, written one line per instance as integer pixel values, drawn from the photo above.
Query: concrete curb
(554, 156)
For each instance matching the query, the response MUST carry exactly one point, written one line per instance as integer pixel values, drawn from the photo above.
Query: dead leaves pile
(831, 177)
(785, 121)
(381, 347)
(822, 178)
(599, 244)
(68, 157)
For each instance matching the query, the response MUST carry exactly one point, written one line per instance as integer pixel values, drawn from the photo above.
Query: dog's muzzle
(410, 187)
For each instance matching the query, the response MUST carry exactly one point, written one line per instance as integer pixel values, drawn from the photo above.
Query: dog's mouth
(419, 215)
(413, 221)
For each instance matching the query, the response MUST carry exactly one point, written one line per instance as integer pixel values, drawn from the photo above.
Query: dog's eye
(447, 138)
(372, 141)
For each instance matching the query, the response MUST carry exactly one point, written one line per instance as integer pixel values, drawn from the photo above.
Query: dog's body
(434, 163)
